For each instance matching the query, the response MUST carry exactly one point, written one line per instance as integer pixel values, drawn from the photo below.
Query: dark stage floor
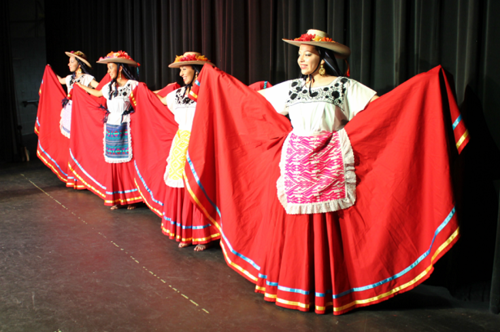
(68, 263)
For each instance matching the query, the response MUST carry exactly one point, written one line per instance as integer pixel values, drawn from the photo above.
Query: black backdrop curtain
(391, 41)
(10, 135)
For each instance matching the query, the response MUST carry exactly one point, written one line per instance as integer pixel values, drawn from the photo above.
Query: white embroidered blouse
(182, 107)
(84, 79)
(317, 160)
(119, 103)
(327, 108)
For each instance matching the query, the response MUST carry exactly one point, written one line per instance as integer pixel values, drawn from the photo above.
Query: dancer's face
(73, 64)
(187, 74)
(113, 70)
(308, 59)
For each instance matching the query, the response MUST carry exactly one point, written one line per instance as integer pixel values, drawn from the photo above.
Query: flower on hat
(191, 57)
(118, 55)
(306, 37)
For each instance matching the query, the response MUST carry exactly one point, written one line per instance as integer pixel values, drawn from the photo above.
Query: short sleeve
(105, 90)
(171, 100)
(358, 97)
(68, 80)
(87, 79)
(133, 84)
(277, 96)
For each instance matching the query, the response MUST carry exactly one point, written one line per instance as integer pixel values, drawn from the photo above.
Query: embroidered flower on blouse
(333, 93)
(123, 91)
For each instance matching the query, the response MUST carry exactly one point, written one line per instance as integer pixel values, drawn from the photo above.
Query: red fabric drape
(403, 221)
(114, 183)
(154, 132)
(181, 219)
(53, 147)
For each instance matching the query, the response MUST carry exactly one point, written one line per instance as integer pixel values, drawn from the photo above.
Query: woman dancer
(117, 139)
(53, 125)
(80, 68)
(314, 221)
(192, 228)
(317, 177)
(319, 105)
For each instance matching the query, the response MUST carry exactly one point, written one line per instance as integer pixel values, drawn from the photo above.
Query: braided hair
(197, 69)
(330, 65)
(127, 71)
(85, 68)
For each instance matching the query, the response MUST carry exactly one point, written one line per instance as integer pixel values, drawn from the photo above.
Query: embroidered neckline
(74, 80)
(325, 86)
(332, 93)
(123, 91)
(181, 99)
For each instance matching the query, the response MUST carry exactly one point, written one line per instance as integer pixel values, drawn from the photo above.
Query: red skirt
(190, 224)
(309, 265)
(387, 243)
(72, 180)
(53, 147)
(120, 185)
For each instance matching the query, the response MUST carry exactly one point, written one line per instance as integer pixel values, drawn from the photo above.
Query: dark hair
(128, 71)
(197, 70)
(85, 68)
(331, 66)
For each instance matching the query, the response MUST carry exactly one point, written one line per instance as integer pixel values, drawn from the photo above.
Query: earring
(119, 76)
(79, 70)
(322, 70)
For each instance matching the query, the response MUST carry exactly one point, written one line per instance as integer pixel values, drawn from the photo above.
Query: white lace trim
(173, 183)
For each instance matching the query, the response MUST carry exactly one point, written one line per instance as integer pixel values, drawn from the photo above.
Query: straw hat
(80, 56)
(321, 39)
(118, 57)
(190, 58)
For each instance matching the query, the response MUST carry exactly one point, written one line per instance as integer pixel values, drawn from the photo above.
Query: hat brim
(188, 63)
(118, 60)
(341, 51)
(79, 58)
